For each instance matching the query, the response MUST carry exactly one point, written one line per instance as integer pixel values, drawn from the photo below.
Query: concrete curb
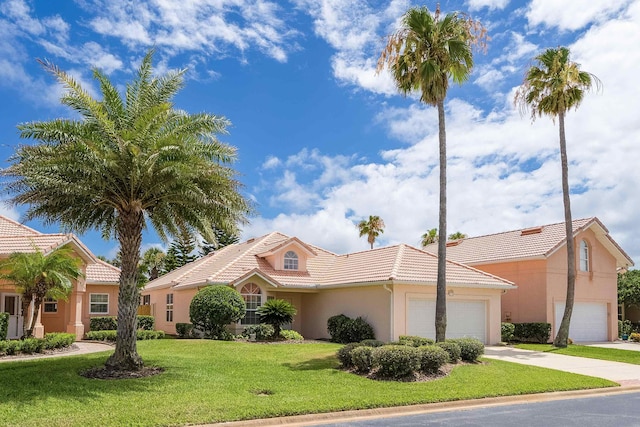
(367, 414)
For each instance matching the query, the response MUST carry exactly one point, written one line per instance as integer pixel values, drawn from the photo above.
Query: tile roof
(9, 227)
(394, 264)
(102, 273)
(533, 242)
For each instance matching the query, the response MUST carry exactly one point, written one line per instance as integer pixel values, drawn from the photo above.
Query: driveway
(620, 345)
(624, 374)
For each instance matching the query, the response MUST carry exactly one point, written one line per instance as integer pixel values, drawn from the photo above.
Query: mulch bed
(104, 373)
(19, 356)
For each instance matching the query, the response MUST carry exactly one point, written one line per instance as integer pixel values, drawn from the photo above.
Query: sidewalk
(623, 373)
(79, 347)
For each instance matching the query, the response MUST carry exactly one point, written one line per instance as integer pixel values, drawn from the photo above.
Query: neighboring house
(393, 288)
(536, 260)
(95, 294)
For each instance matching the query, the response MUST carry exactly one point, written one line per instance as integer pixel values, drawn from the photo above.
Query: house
(536, 260)
(95, 294)
(394, 288)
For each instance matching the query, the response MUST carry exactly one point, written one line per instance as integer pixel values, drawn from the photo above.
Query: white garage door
(464, 319)
(588, 321)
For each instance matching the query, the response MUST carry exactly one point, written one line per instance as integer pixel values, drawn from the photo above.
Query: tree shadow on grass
(317, 364)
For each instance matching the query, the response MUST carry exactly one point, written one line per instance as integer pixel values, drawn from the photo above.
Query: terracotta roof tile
(9, 227)
(102, 273)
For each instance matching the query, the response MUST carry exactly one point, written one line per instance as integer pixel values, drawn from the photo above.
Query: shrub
(344, 330)
(262, 331)
(143, 334)
(55, 340)
(184, 330)
(103, 323)
(635, 337)
(13, 347)
(507, 330)
(470, 348)
(344, 354)
(624, 327)
(147, 323)
(532, 332)
(214, 307)
(372, 343)
(31, 345)
(291, 335)
(3, 347)
(4, 325)
(453, 350)
(276, 312)
(361, 358)
(395, 361)
(101, 335)
(414, 341)
(432, 357)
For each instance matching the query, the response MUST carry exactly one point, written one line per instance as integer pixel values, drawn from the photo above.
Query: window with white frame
(99, 303)
(252, 296)
(50, 305)
(291, 261)
(584, 256)
(169, 307)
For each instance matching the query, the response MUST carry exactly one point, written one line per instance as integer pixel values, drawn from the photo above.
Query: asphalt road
(600, 411)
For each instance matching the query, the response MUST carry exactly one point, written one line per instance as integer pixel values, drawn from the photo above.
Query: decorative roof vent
(251, 240)
(454, 242)
(532, 230)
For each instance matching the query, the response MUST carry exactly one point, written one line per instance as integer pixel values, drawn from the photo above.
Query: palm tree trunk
(129, 231)
(563, 333)
(26, 321)
(441, 288)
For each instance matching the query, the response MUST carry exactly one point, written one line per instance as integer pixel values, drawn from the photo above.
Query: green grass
(613, 354)
(210, 381)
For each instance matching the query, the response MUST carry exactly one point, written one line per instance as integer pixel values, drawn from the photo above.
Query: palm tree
(552, 87)
(152, 262)
(130, 160)
(371, 228)
(429, 237)
(38, 276)
(423, 55)
(276, 312)
(457, 236)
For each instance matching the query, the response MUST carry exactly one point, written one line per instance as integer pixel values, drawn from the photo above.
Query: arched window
(584, 256)
(291, 261)
(252, 296)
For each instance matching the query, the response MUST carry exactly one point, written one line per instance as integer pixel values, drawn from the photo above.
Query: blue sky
(323, 141)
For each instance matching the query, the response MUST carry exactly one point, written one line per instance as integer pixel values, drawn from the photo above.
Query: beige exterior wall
(371, 302)
(111, 290)
(181, 301)
(402, 293)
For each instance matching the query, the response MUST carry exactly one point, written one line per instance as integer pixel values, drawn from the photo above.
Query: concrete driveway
(624, 374)
(621, 345)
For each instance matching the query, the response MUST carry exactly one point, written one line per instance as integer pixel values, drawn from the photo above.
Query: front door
(11, 304)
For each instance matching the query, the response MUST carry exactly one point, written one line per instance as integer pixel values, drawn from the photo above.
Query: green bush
(624, 327)
(453, 350)
(184, 330)
(31, 345)
(432, 357)
(506, 331)
(291, 335)
(214, 307)
(262, 331)
(276, 312)
(470, 348)
(4, 325)
(532, 332)
(414, 341)
(395, 361)
(361, 358)
(147, 323)
(372, 343)
(344, 354)
(55, 340)
(101, 335)
(3, 347)
(344, 330)
(13, 347)
(103, 323)
(143, 334)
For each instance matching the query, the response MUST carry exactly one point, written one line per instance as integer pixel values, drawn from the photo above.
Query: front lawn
(212, 381)
(613, 354)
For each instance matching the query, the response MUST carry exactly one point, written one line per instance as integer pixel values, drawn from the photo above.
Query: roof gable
(9, 227)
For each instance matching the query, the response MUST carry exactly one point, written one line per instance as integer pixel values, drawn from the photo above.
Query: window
(146, 300)
(50, 305)
(290, 261)
(169, 307)
(584, 256)
(252, 297)
(99, 303)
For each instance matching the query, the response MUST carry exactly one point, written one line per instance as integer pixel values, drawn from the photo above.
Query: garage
(588, 321)
(465, 318)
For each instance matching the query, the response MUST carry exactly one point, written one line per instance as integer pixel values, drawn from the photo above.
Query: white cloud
(475, 5)
(572, 14)
(271, 162)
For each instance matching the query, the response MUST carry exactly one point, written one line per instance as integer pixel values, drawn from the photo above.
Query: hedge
(470, 348)
(506, 331)
(396, 361)
(184, 330)
(532, 332)
(432, 357)
(4, 325)
(111, 335)
(37, 345)
(110, 323)
(344, 329)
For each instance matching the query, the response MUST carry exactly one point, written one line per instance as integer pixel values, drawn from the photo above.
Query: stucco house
(392, 287)
(95, 294)
(535, 259)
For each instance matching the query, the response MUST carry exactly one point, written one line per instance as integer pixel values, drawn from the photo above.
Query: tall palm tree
(429, 237)
(552, 87)
(152, 262)
(38, 276)
(371, 228)
(423, 55)
(129, 161)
